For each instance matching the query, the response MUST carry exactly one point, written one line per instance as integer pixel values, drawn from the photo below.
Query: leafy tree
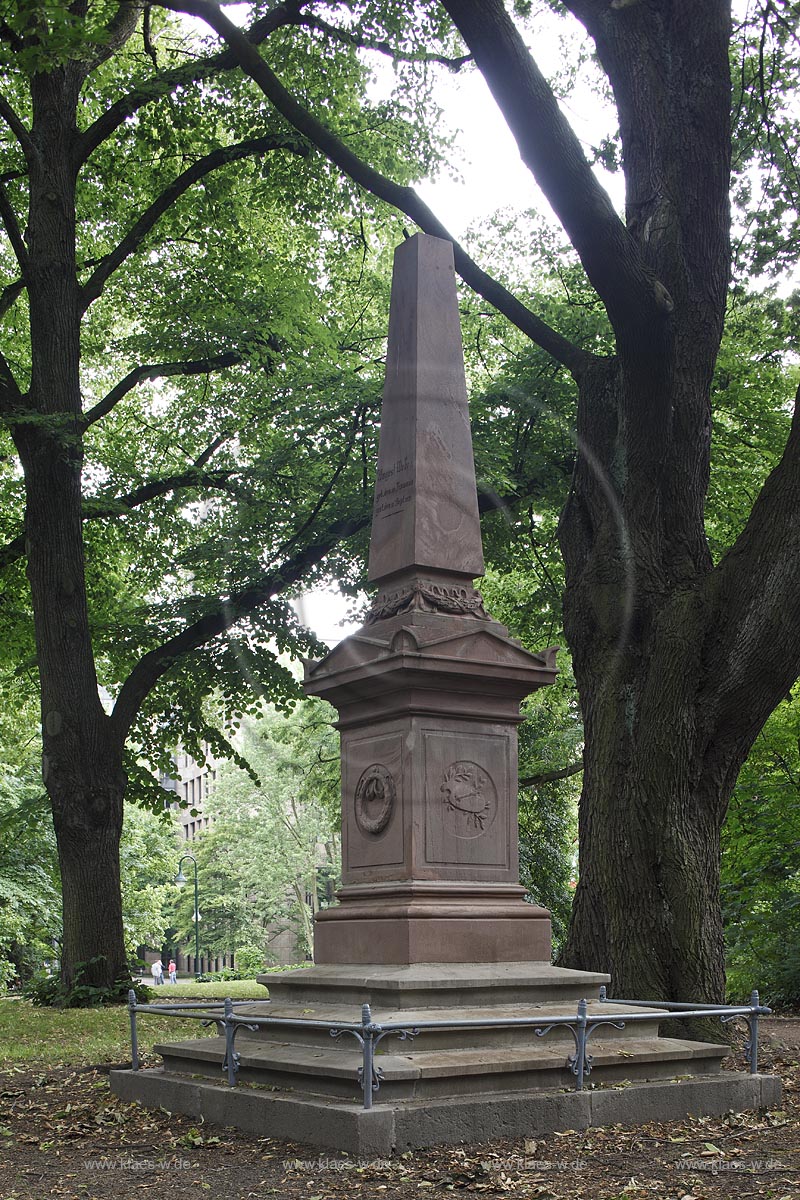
(681, 650)
(761, 864)
(30, 885)
(147, 867)
(186, 397)
(30, 926)
(270, 840)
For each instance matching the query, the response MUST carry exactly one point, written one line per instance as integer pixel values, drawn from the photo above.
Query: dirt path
(62, 1134)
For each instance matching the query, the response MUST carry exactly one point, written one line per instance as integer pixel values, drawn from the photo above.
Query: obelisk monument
(432, 937)
(428, 691)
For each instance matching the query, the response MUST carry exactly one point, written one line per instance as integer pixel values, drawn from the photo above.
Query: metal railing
(369, 1034)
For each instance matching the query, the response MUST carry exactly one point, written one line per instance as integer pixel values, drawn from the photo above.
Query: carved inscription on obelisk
(394, 488)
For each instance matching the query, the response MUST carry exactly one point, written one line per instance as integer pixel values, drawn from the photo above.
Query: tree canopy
(271, 843)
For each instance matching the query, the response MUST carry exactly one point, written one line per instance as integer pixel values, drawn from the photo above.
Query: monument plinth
(428, 692)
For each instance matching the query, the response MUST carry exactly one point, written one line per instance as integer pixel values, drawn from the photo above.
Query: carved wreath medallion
(470, 799)
(374, 799)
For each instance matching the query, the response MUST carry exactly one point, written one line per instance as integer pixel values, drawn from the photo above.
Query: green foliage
(147, 863)
(249, 961)
(550, 739)
(754, 384)
(198, 485)
(30, 887)
(766, 139)
(49, 991)
(8, 973)
(270, 834)
(761, 865)
(30, 923)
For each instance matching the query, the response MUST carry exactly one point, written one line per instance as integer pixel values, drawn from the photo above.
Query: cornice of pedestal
(421, 633)
(423, 661)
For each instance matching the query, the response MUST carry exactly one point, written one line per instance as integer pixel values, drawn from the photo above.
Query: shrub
(47, 991)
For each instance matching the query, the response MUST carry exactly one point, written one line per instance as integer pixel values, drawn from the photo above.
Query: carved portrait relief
(469, 798)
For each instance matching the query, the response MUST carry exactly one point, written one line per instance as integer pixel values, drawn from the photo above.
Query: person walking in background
(157, 971)
(173, 971)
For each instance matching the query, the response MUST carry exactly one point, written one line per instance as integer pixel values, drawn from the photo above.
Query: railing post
(134, 1032)
(755, 1005)
(368, 1054)
(580, 1045)
(230, 1053)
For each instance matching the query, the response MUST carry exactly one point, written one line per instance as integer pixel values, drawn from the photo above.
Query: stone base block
(405, 1125)
(433, 921)
(406, 940)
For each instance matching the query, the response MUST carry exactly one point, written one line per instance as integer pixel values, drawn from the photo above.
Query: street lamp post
(180, 878)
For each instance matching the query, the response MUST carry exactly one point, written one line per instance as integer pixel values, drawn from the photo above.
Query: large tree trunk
(82, 760)
(647, 904)
(641, 604)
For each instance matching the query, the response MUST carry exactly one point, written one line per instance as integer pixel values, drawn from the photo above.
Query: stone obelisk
(428, 691)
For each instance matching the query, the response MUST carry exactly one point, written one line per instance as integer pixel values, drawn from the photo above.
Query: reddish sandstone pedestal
(428, 706)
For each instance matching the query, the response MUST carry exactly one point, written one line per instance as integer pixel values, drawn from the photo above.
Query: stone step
(400, 1125)
(433, 985)
(431, 1039)
(418, 1073)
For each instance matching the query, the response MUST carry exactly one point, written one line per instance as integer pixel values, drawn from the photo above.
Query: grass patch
(188, 989)
(72, 1037)
(54, 1037)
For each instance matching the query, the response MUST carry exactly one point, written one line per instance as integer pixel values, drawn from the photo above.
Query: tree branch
(531, 781)
(117, 32)
(163, 84)
(322, 498)
(147, 40)
(18, 128)
(403, 198)
(9, 295)
(351, 37)
(194, 477)
(552, 152)
(139, 230)
(753, 654)
(9, 219)
(211, 449)
(11, 38)
(200, 366)
(223, 614)
(10, 395)
(103, 507)
(13, 551)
